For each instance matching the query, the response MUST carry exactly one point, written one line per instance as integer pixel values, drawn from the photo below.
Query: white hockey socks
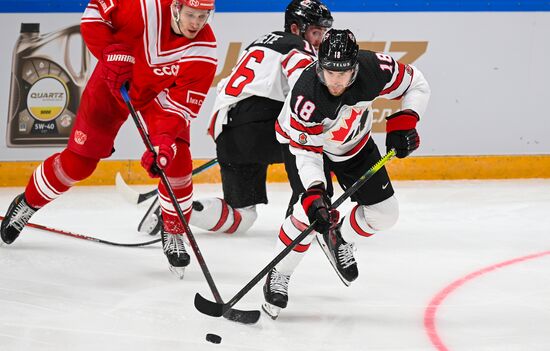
(289, 231)
(216, 215)
(367, 220)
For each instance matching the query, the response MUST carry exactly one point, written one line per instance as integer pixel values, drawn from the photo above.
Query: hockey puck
(213, 338)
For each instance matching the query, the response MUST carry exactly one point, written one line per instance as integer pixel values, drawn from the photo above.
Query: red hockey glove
(316, 205)
(166, 150)
(401, 133)
(117, 66)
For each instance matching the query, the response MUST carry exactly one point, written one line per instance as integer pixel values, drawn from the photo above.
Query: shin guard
(289, 231)
(57, 174)
(216, 215)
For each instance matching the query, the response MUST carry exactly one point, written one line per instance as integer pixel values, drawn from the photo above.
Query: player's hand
(401, 133)
(165, 148)
(316, 205)
(117, 66)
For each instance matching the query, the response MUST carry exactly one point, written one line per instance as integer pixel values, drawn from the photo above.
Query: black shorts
(249, 135)
(377, 189)
(245, 148)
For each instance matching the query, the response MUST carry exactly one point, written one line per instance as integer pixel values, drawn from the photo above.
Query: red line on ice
(431, 309)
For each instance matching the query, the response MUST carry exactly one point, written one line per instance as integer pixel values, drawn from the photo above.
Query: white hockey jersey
(268, 68)
(313, 122)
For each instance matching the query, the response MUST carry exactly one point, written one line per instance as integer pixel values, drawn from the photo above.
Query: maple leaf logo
(345, 125)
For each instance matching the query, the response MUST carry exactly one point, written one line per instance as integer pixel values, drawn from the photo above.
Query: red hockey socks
(56, 175)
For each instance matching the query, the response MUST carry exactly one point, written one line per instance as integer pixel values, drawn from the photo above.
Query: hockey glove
(117, 66)
(401, 133)
(165, 149)
(316, 205)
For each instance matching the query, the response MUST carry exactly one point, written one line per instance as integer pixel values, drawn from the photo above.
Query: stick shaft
(173, 199)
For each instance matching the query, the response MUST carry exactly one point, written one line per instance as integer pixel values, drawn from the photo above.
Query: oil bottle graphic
(45, 88)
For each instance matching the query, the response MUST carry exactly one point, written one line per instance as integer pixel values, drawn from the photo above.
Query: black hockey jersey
(268, 68)
(314, 122)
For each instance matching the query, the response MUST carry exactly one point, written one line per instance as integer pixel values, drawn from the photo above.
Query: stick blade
(124, 189)
(244, 317)
(208, 307)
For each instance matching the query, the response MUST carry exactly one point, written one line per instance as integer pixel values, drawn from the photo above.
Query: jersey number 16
(243, 75)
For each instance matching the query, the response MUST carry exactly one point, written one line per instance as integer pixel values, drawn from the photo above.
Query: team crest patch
(302, 138)
(80, 137)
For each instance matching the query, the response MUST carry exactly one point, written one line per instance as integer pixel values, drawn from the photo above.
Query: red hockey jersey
(172, 74)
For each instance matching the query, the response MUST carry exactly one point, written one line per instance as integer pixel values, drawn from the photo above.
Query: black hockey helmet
(307, 12)
(338, 50)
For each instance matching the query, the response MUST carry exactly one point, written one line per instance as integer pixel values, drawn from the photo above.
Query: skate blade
(326, 250)
(177, 271)
(271, 310)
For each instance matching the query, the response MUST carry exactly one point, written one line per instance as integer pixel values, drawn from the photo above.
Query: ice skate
(275, 293)
(340, 254)
(174, 249)
(18, 215)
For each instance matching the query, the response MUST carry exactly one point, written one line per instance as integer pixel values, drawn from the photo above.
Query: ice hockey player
(325, 126)
(166, 51)
(243, 121)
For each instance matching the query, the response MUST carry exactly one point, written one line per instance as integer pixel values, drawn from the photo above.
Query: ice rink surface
(466, 268)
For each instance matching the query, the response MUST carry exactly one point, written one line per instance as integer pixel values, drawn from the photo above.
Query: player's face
(190, 22)
(337, 81)
(314, 35)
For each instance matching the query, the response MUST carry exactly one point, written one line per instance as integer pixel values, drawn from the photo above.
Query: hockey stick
(246, 317)
(136, 198)
(217, 309)
(153, 210)
(85, 237)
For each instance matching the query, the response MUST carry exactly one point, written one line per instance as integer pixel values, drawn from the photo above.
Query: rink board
(487, 117)
(412, 168)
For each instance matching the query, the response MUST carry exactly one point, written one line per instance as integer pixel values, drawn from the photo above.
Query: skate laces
(173, 244)
(279, 282)
(21, 215)
(345, 254)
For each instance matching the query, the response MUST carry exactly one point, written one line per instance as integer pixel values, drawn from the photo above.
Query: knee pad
(366, 220)
(216, 215)
(76, 167)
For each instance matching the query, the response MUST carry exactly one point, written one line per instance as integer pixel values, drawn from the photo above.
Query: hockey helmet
(199, 4)
(338, 50)
(307, 12)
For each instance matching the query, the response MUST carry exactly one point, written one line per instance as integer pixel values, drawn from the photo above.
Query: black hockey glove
(316, 205)
(401, 133)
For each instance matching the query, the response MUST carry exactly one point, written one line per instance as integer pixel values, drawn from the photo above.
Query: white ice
(453, 274)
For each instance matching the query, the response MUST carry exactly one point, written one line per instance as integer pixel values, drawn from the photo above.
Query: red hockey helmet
(199, 4)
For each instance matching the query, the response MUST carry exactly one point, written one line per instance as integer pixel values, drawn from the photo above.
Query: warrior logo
(80, 137)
